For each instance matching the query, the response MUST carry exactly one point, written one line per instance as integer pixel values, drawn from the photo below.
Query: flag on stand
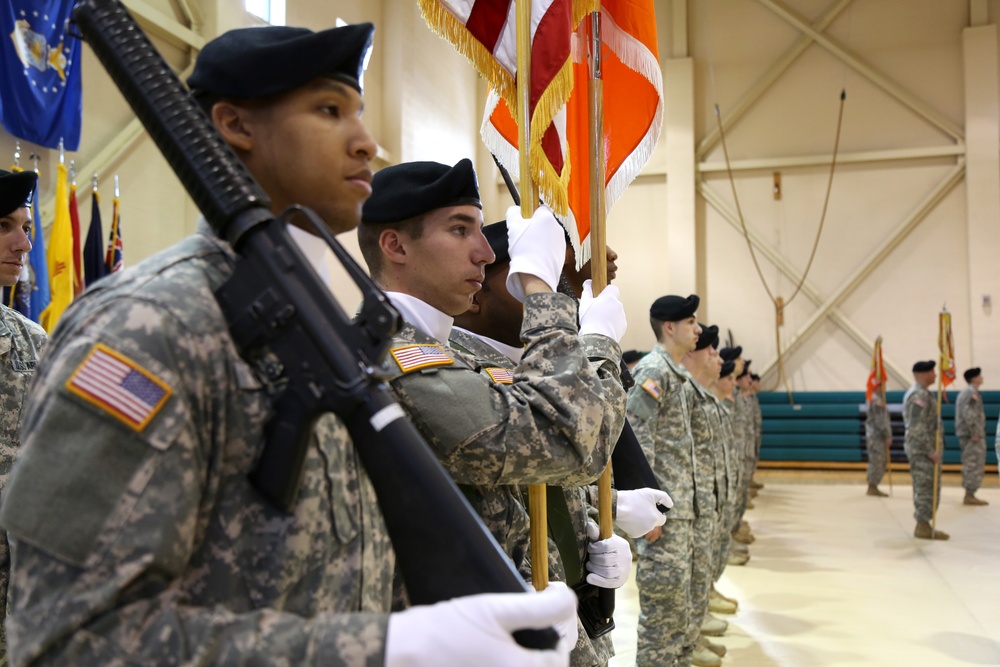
(115, 257)
(94, 265)
(877, 378)
(633, 113)
(74, 219)
(41, 96)
(946, 345)
(484, 31)
(60, 256)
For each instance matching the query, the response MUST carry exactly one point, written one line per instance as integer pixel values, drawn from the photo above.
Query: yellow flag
(62, 265)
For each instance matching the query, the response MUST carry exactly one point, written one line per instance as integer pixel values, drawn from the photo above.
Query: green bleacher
(829, 426)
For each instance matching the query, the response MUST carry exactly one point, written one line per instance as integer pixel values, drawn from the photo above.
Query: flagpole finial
(35, 159)
(62, 152)
(116, 186)
(72, 172)
(93, 181)
(17, 153)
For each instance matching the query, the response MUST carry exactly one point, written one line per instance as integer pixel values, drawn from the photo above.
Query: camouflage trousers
(922, 472)
(877, 460)
(664, 577)
(973, 461)
(703, 556)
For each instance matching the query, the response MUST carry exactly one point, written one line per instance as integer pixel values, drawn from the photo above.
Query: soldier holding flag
(921, 421)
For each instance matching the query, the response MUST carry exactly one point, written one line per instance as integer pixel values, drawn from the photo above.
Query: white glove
(610, 560)
(476, 630)
(537, 247)
(637, 513)
(603, 314)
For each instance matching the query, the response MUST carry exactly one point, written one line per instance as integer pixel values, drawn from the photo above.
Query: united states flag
(500, 375)
(412, 357)
(120, 386)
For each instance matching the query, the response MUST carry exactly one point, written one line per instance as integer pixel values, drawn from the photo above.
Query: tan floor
(836, 578)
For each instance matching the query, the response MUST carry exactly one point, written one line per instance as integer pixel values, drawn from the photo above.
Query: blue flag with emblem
(41, 95)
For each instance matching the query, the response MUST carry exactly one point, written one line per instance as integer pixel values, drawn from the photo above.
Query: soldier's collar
(509, 351)
(425, 318)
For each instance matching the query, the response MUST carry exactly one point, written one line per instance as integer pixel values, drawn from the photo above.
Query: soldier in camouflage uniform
(137, 537)
(21, 342)
(921, 421)
(723, 392)
(490, 332)
(970, 425)
(703, 365)
(878, 439)
(659, 411)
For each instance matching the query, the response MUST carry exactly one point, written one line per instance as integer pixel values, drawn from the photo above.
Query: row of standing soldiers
(695, 411)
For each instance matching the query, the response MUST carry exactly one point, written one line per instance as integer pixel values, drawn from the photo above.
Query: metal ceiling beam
(161, 25)
(892, 88)
(953, 178)
(774, 72)
(953, 150)
(779, 262)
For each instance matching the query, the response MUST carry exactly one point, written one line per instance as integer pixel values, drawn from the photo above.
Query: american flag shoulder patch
(119, 386)
(652, 388)
(500, 375)
(415, 357)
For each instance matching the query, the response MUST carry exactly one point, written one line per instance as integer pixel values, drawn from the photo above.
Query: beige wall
(424, 102)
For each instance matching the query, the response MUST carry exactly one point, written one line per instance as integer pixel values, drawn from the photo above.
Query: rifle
(275, 301)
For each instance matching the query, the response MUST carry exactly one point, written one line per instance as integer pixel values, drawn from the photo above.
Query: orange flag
(877, 378)
(484, 31)
(633, 114)
(946, 345)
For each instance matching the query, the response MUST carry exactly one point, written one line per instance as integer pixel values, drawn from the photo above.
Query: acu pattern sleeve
(921, 421)
(544, 427)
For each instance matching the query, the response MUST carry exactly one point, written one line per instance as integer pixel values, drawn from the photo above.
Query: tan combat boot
(970, 499)
(702, 657)
(875, 491)
(717, 649)
(719, 604)
(713, 627)
(925, 532)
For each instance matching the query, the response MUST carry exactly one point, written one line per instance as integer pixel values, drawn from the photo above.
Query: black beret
(709, 336)
(673, 308)
(16, 190)
(755, 377)
(972, 374)
(628, 356)
(251, 63)
(496, 234)
(727, 368)
(746, 369)
(923, 366)
(404, 191)
(731, 353)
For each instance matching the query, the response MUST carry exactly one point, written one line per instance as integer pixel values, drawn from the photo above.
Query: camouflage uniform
(21, 343)
(920, 419)
(659, 411)
(486, 359)
(878, 429)
(726, 483)
(758, 427)
(146, 543)
(743, 429)
(970, 422)
(706, 503)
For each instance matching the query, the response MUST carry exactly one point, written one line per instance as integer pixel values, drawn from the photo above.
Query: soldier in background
(970, 425)
(758, 429)
(136, 535)
(878, 439)
(21, 341)
(921, 421)
(659, 412)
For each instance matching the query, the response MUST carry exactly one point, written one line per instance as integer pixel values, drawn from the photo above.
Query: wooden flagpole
(537, 506)
(939, 437)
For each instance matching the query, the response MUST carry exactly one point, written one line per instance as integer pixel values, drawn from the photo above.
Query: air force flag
(41, 98)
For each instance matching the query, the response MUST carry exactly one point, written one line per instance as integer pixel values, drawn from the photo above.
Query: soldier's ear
(231, 122)
(392, 245)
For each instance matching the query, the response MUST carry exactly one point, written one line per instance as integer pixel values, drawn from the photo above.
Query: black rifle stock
(275, 301)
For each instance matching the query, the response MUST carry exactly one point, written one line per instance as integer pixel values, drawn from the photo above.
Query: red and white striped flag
(484, 31)
(633, 114)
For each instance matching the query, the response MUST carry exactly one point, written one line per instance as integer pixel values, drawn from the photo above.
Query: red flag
(946, 345)
(484, 32)
(633, 113)
(877, 378)
(74, 218)
(115, 258)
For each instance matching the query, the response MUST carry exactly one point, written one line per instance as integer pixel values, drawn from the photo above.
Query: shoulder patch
(920, 402)
(975, 397)
(414, 357)
(652, 388)
(119, 386)
(499, 375)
